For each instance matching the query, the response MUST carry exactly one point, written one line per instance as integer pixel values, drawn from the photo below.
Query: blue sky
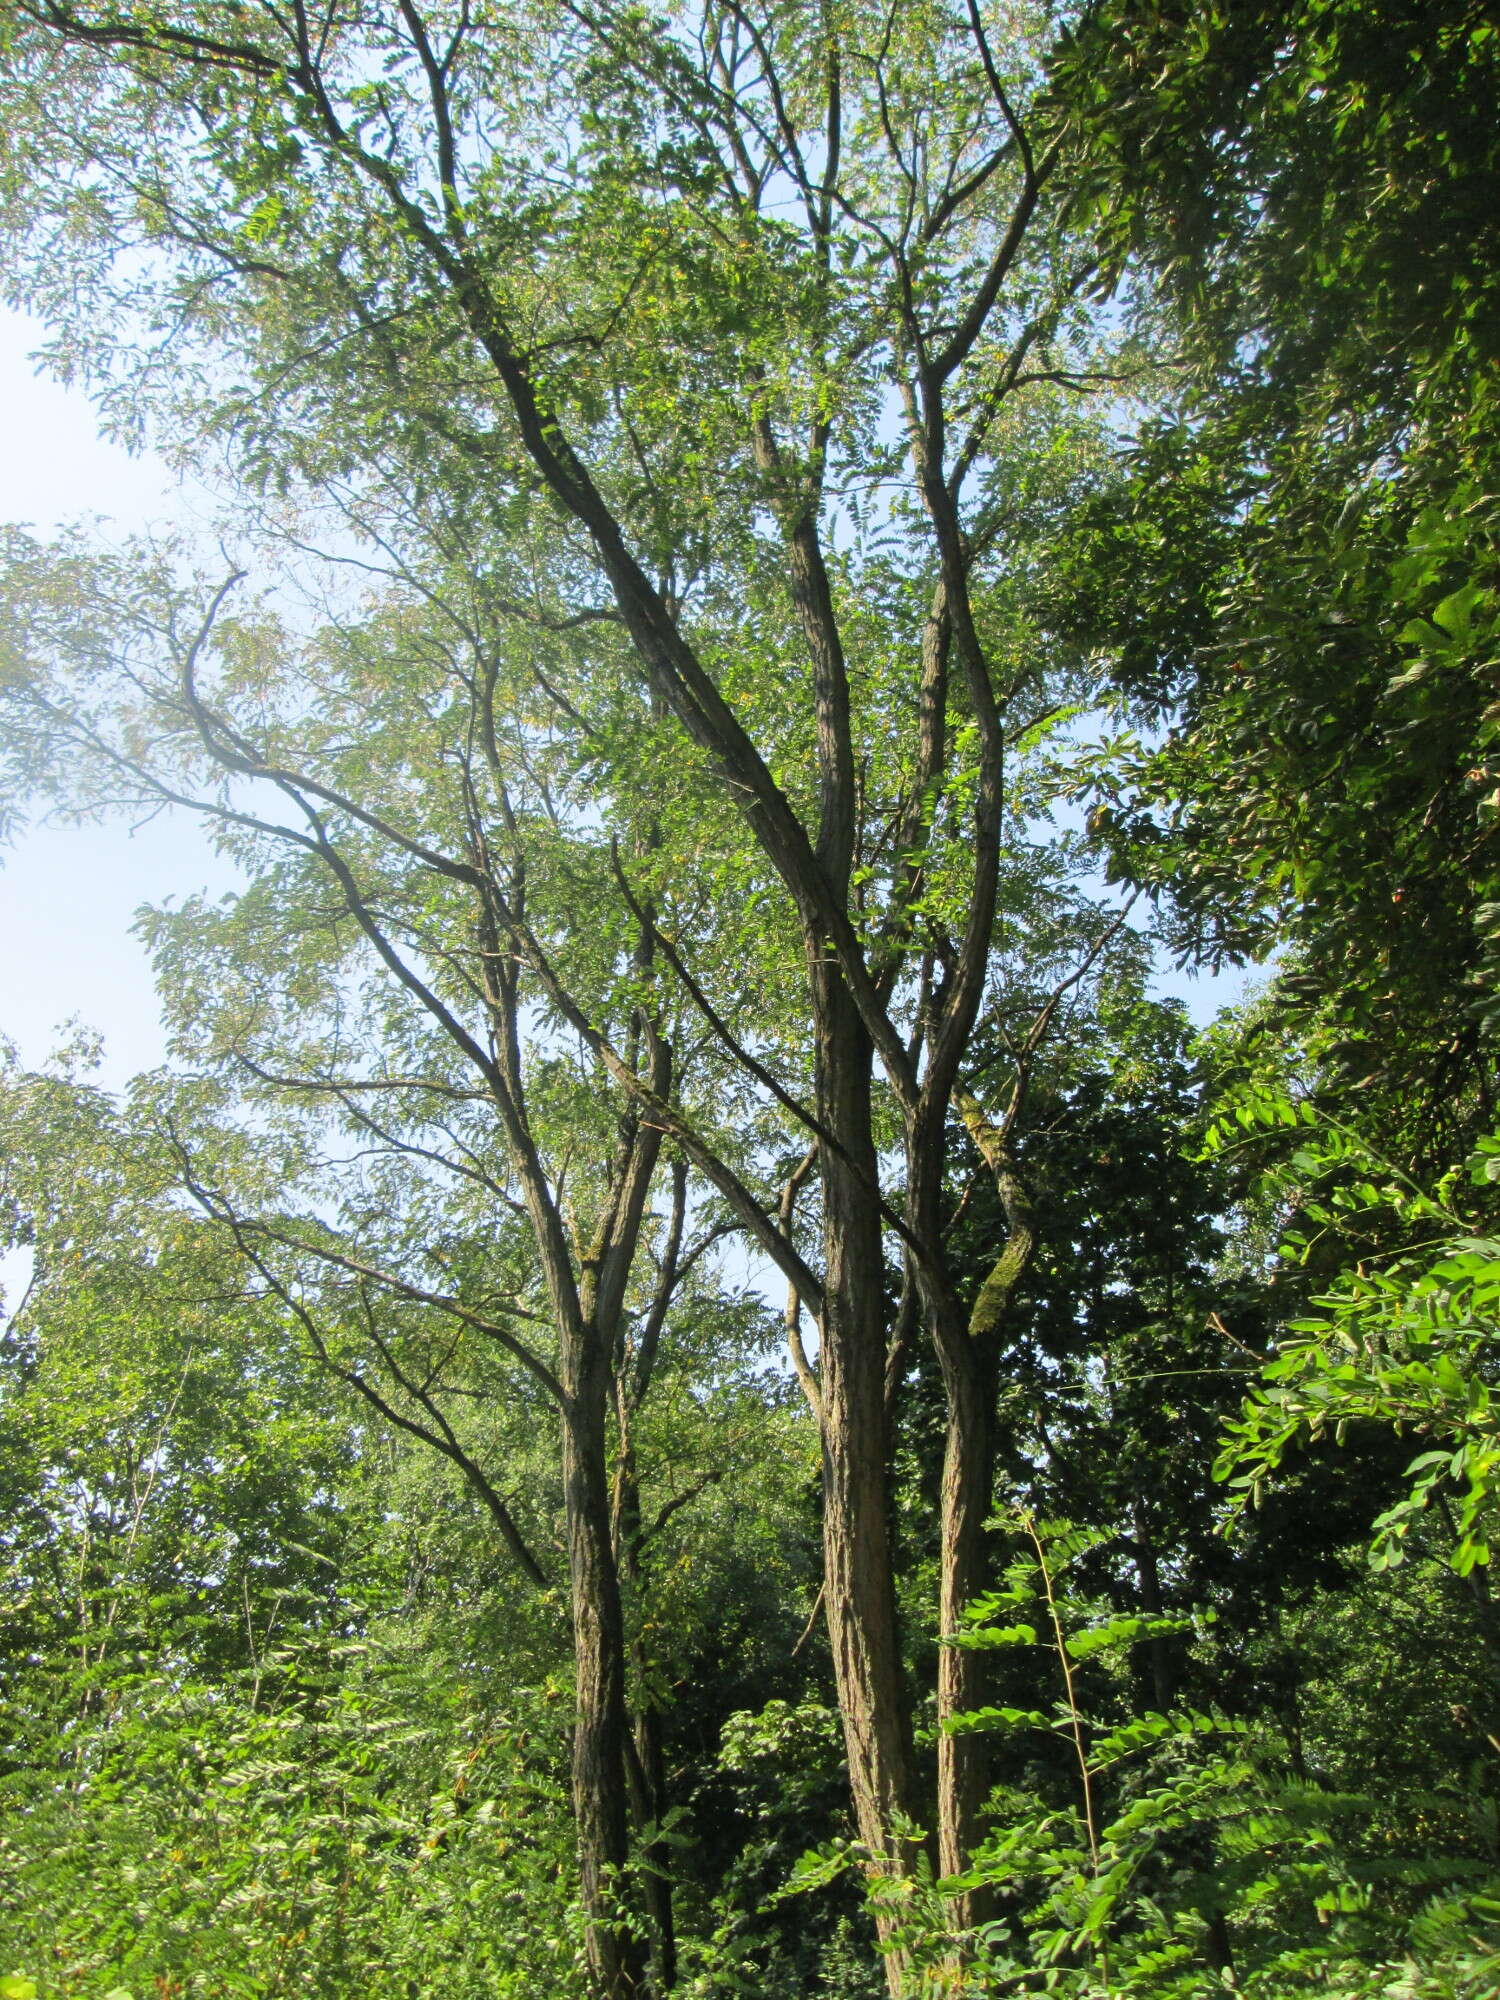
(68, 895)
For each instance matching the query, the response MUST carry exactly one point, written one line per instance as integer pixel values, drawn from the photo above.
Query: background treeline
(688, 1384)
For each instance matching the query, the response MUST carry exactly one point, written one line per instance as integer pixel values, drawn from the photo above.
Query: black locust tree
(388, 1118)
(773, 312)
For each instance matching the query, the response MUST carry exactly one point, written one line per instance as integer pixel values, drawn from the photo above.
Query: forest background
(687, 1381)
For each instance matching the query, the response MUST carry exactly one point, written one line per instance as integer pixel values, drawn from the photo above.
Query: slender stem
(1075, 1717)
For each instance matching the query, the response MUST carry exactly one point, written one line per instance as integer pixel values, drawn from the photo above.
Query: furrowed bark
(967, 1348)
(859, 1584)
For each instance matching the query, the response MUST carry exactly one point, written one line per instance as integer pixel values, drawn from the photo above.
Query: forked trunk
(858, 1581)
(967, 1355)
(967, 1345)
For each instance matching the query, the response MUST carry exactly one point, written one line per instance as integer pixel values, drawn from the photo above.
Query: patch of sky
(68, 895)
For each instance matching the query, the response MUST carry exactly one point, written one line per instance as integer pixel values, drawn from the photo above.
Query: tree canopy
(665, 1393)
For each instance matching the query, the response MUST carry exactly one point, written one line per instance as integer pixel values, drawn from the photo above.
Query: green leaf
(1120, 1631)
(976, 1720)
(990, 1636)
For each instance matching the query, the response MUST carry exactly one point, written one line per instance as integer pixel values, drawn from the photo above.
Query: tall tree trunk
(859, 1586)
(616, 1958)
(967, 1346)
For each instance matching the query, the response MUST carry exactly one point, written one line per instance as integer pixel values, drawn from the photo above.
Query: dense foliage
(690, 1383)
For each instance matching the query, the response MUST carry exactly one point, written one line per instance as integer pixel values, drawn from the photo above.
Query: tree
(464, 1221)
(1299, 572)
(775, 315)
(280, 1706)
(241, 1742)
